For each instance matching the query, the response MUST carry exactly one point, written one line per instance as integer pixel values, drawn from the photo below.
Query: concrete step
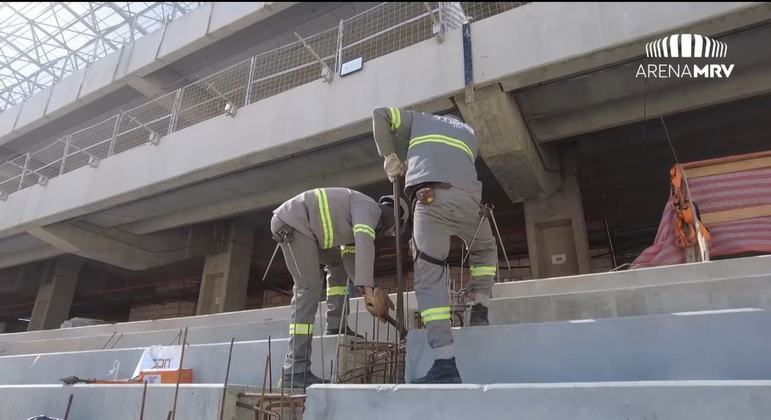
(565, 304)
(208, 361)
(716, 345)
(753, 291)
(119, 402)
(681, 400)
(672, 274)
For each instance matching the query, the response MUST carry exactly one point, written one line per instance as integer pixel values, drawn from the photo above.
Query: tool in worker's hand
(378, 305)
(400, 326)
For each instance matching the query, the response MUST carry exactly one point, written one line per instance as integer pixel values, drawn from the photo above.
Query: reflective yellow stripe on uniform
(482, 270)
(336, 290)
(326, 217)
(396, 118)
(301, 329)
(438, 138)
(435, 314)
(347, 250)
(364, 229)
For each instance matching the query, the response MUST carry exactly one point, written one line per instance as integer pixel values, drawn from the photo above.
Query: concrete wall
(117, 402)
(686, 400)
(719, 345)
(551, 32)
(208, 361)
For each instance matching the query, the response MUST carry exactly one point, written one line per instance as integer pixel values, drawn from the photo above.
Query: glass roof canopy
(43, 42)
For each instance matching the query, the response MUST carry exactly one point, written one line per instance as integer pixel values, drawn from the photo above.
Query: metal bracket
(437, 26)
(93, 161)
(3, 196)
(42, 180)
(230, 107)
(154, 138)
(326, 72)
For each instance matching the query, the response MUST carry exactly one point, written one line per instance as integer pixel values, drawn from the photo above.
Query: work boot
(301, 380)
(348, 331)
(478, 315)
(443, 371)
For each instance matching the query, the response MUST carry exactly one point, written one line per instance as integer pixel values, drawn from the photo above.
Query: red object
(716, 193)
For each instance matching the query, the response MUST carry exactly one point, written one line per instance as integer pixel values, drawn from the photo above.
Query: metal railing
(381, 30)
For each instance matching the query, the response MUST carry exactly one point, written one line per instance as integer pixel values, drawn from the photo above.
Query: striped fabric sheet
(712, 194)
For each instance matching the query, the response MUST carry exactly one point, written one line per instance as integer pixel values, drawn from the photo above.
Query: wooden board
(736, 214)
(728, 167)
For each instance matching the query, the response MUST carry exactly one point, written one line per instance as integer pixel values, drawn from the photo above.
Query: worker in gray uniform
(441, 181)
(311, 228)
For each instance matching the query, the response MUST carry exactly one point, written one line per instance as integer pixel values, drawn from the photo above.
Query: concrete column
(54, 297)
(556, 233)
(523, 170)
(226, 274)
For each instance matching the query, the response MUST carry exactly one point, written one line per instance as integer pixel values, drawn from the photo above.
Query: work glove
(377, 302)
(393, 167)
(283, 234)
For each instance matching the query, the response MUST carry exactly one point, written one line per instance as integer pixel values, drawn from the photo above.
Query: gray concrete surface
(714, 285)
(116, 402)
(687, 400)
(727, 345)
(116, 180)
(681, 273)
(208, 361)
(743, 292)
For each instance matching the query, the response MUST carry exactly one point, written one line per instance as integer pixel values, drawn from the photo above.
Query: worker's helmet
(386, 203)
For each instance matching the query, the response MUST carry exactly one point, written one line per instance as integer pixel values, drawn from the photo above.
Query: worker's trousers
(303, 256)
(339, 271)
(454, 212)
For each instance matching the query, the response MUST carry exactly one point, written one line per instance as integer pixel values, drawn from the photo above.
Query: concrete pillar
(54, 297)
(226, 274)
(523, 170)
(556, 233)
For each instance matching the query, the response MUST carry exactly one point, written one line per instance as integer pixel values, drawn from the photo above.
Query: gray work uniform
(440, 150)
(323, 219)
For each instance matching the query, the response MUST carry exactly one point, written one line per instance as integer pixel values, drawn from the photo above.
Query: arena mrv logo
(703, 49)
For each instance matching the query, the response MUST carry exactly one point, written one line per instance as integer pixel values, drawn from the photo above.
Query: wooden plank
(736, 214)
(728, 167)
(726, 159)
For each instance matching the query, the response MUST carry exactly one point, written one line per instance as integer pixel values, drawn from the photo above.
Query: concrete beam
(221, 209)
(124, 250)
(27, 256)
(668, 100)
(54, 297)
(506, 146)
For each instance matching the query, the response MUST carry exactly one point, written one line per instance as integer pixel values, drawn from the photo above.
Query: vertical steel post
(399, 277)
(339, 49)
(248, 95)
(67, 140)
(23, 171)
(115, 131)
(174, 111)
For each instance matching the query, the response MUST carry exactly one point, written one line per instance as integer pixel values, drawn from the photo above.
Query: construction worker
(319, 226)
(441, 181)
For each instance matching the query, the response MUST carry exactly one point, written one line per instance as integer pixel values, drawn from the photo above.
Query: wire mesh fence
(208, 97)
(381, 30)
(386, 28)
(292, 65)
(144, 124)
